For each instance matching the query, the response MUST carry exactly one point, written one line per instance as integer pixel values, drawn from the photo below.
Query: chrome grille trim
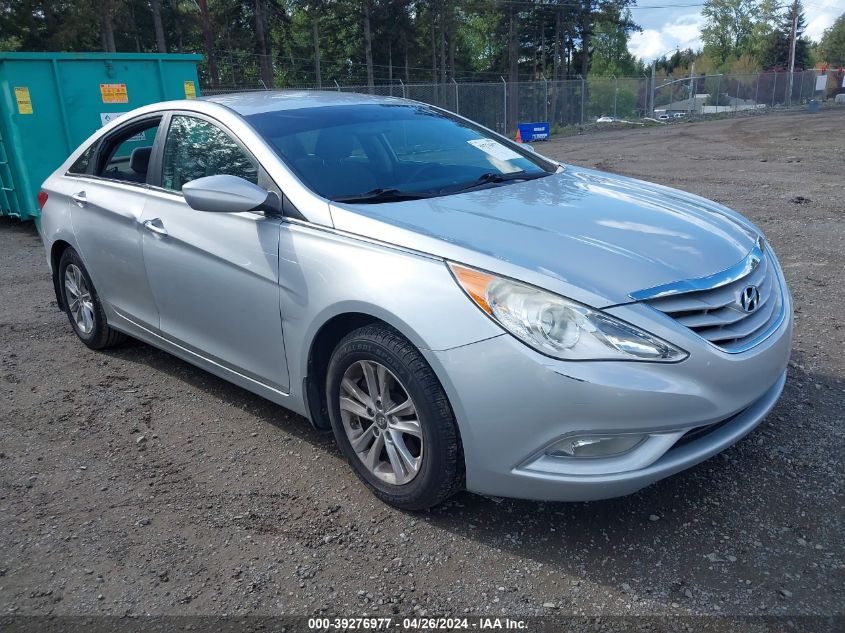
(710, 307)
(710, 282)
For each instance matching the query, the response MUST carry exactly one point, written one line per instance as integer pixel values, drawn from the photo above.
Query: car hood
(596, 236)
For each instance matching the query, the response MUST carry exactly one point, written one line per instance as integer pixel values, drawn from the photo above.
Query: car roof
(247, 103)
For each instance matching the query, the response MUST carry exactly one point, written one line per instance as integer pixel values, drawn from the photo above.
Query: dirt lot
(232, 505)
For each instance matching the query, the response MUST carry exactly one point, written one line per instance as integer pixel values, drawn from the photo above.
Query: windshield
(382, 152)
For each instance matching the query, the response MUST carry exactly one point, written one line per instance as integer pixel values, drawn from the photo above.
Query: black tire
(441, 473)
(101, 335)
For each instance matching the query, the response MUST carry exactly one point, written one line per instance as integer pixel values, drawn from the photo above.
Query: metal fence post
(457, 107)
(615, 93)
(690, 90)
(545, 99)
(801, 90)
(732, 105)
(505, 116)
(583, 84)
(646, 93)
(653, 83)
(718, 92)
(774, 89)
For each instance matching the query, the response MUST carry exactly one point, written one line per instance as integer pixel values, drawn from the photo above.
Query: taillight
(42, 199)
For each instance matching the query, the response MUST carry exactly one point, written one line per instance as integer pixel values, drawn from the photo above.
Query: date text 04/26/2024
(416, 624)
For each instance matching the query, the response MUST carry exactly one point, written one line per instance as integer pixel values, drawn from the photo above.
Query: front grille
(712, 306)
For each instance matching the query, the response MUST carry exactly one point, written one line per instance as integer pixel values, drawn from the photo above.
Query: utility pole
(792, 42)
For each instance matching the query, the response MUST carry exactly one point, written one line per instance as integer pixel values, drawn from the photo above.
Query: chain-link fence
(501, 105)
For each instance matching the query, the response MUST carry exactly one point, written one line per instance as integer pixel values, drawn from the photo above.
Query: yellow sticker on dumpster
(114, 93)
(24, 100)
(190, 90)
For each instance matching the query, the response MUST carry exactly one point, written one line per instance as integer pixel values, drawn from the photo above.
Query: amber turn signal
(474, 283)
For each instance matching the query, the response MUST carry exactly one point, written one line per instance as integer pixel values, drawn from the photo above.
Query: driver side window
(196, 148)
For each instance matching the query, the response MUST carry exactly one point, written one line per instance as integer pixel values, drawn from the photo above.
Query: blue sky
(679, 25)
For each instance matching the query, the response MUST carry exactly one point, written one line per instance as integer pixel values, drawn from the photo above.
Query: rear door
(107, 194)
(214, 276)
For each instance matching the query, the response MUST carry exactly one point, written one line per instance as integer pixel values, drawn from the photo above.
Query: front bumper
(512, 403)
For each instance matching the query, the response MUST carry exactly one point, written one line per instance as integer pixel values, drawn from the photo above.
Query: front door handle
(79, 199)
(156, 226)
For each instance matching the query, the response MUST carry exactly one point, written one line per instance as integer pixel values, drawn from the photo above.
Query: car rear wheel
(82, 304)
(392, 419)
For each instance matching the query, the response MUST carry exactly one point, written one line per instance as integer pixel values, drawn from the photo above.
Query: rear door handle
(79, 198)
(155, 226)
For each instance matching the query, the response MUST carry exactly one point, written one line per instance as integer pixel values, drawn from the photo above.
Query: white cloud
(664, 30)
(647, 44)
(686, 31)
(818, 24)
(682, 32)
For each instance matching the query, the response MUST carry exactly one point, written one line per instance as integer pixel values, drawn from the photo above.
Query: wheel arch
(320, 349)
(57, 249)
(322, 343)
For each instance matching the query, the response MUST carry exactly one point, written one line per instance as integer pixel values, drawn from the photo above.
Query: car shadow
(711, 523)
(138, 352)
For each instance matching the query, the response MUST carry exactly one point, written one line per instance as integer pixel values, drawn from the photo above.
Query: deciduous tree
(831, 49)
(729, 24)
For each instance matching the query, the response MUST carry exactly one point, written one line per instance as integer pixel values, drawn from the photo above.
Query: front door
(214, 276)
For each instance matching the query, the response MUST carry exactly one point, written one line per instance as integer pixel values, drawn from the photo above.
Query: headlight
(559, 327)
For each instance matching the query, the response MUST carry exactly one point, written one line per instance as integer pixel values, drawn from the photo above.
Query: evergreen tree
(774, 50)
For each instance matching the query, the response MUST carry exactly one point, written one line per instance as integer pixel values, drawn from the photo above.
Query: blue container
(51, 102)
(813, 106)
(530, 132)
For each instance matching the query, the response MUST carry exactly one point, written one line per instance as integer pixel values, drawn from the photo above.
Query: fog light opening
(595, 445)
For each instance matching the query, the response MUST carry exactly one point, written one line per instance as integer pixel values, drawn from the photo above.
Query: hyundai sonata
(458, 310)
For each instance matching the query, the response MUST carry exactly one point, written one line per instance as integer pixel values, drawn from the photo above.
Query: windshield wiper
(383, 194)
(389, 194)
(495, 177)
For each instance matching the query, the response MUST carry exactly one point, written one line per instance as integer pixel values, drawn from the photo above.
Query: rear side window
(196, 148)
(80, 165)
(125, 156)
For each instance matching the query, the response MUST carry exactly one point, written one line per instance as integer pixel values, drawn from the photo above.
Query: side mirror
(229, 194)
(530, 148)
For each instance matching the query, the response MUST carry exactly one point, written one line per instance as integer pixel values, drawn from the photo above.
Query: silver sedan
(458, 310)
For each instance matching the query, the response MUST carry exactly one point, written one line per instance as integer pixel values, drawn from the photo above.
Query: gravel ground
(131, 482)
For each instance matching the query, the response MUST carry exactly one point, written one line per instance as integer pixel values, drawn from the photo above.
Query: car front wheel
(392, 419)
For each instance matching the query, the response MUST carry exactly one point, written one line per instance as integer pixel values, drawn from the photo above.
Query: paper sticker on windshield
(494, 149)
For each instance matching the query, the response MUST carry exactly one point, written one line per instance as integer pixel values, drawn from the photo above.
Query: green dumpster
(51, 102)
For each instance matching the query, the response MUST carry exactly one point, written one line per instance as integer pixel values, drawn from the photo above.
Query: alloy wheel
(78, 298)
(381, 423)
